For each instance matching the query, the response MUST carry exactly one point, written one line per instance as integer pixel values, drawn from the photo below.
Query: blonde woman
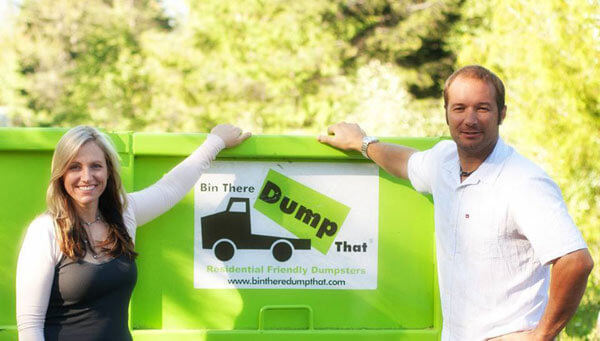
(76, 269)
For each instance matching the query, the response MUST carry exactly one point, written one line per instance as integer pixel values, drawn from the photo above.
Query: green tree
(269, 65)
(412, 35)
(274, 66)
(82, 62)
(9, 76)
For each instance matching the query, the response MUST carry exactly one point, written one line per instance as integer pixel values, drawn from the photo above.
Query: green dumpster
(281, 238)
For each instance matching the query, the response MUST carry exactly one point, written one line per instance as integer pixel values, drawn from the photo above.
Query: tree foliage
(269, 65)
(82, 62)
(410, 34)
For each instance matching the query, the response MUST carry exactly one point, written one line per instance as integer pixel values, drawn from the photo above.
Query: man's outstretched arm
(391, 157)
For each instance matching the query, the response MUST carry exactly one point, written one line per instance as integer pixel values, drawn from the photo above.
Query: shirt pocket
(480, 232)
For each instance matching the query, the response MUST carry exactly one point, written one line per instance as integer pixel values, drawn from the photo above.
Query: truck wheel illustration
(282, 250)
(224, 249)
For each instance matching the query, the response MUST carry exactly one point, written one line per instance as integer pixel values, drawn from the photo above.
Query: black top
(90, 301)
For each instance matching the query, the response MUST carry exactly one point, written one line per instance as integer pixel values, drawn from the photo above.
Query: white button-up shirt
(496, 233)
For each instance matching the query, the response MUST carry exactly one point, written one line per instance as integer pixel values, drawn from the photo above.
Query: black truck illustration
(228, 231)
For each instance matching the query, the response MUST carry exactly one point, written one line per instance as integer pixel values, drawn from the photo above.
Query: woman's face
(86, 175)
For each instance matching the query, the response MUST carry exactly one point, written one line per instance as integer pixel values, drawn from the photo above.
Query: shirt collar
(487, 172)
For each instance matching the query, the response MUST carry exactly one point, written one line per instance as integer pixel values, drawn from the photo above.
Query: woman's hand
(231, 135)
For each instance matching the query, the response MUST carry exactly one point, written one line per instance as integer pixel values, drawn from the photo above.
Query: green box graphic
(301, 210)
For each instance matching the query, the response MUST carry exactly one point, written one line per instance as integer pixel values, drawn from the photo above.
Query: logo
(301, 210)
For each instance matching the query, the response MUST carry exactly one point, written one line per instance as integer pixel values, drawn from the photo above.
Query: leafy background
(294, 67)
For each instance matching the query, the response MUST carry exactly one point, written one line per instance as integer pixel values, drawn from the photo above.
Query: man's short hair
(478, 72)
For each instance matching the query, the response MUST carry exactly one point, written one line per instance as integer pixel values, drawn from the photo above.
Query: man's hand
(391, 157)
(230, 134)
(345, 136)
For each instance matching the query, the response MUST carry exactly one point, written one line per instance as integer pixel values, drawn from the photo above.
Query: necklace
(91, 222)
(465, 174)
(87, 240)
(91, 246)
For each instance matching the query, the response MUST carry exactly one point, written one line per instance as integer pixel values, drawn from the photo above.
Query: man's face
(472, 116)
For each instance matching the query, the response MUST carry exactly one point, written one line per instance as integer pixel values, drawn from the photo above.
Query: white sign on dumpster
(286, 225)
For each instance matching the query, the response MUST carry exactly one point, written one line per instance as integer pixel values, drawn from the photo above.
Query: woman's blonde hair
(71, 235)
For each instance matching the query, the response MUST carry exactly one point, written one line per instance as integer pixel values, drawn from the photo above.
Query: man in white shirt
(502, 227)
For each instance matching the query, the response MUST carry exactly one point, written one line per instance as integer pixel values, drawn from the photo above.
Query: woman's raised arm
(156, 199)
